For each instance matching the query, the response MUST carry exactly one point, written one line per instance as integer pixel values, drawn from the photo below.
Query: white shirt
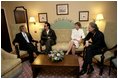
(47, 32)
(25, 36)
(77, 34)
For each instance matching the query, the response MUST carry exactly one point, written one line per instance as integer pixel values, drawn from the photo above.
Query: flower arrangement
(56, 56)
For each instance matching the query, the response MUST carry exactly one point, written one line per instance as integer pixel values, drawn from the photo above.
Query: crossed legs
(48, 44)
(71, 47)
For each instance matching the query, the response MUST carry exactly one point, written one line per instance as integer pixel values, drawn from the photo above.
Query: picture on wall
(42, 17)
(62, 9)
(83, 15)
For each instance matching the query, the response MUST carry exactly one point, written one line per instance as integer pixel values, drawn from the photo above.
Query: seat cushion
(80, 48)
(64, 46)
(14, 73)
(61, 46)
(108, 55)
(23, 53)
(8, 64)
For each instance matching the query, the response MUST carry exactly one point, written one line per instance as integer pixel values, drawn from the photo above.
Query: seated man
(94, 44)
(48, 38)
(25, 40)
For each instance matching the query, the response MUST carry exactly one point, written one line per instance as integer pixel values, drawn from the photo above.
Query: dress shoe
(82, 72)
(90, 70)
(31, 61)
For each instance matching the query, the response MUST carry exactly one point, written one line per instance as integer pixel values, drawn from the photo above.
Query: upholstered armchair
(104, 58)
(113, 62)
(107, 53)
(21, 53)
(11, 66)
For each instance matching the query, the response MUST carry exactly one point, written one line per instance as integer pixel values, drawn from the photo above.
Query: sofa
(11, 66)
(63, 39)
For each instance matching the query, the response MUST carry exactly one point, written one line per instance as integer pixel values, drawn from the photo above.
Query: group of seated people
(93, 42)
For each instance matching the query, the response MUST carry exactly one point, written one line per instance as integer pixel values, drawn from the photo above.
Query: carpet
(63, 72)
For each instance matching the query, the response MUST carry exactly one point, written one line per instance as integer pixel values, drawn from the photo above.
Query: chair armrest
(115, 55)
(113, 47)
(106, 49)
(35, 43)
(6, 55)
(17, 50)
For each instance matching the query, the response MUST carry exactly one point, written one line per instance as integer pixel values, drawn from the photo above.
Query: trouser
(48, 44)
(31, 48)
(89, 54)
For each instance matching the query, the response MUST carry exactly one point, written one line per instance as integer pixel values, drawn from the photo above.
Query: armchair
(104, 57)
(11, 66)
(107, 53)
(113, 62)
(22, 53)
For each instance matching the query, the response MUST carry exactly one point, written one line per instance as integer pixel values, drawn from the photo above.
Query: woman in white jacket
(76, 36)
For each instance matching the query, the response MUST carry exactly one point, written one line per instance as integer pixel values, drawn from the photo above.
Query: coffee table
(43, 61)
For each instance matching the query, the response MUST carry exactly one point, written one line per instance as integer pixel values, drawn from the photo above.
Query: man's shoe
(90, 70)
(82, 72)
(31, 61)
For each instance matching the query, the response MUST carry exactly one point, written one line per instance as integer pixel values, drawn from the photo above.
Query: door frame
(9, 30)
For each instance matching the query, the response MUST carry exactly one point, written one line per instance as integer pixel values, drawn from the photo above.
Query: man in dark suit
(25, 40)
(48, 38)
(94, 43)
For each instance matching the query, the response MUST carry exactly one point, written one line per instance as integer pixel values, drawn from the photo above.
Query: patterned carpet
(63, 72)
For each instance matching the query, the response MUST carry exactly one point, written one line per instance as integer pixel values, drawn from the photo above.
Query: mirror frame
(20, 13)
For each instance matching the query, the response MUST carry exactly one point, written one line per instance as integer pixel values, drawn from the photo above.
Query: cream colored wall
(107, 8)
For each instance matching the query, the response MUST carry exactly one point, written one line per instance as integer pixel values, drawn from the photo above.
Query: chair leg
(102, 65)
(17, 51)
(40, 47)
(101, 71)
(110, 67)
(84, 53)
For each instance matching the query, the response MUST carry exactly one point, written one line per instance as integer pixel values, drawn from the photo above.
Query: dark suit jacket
(21, 40)
(98, 41)
(51, 34)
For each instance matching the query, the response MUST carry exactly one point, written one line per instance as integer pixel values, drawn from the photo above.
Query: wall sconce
(32, 20)
(99, 17)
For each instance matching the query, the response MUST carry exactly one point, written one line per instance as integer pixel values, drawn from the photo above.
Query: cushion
(23, 53)
(108, 55)
(61, 46)
(64, 46)
(14, 73)
(81, 48)
(7, 65)
(6, 55)
(63, 35)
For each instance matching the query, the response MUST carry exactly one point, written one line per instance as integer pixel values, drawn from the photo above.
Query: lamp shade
(99, 17)
(32, 19)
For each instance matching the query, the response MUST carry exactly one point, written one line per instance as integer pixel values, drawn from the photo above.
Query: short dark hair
(79, 24)
(20, 28)
(94, 25)
(48, 24)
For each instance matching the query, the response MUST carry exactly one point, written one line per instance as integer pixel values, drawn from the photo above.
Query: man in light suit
(24, 39)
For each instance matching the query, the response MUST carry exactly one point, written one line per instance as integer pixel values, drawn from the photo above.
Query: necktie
(26, 38)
